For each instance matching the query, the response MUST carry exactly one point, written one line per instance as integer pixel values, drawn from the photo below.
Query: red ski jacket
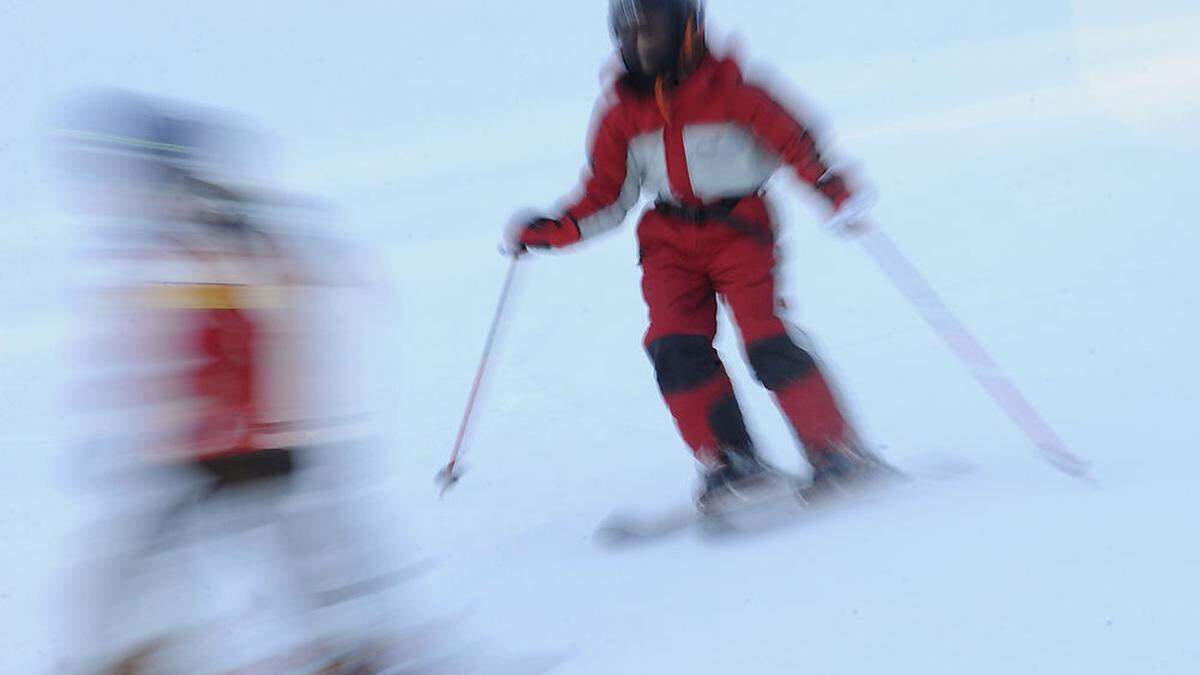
(713, 137)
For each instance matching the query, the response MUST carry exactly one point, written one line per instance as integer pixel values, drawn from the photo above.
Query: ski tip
(614, 535)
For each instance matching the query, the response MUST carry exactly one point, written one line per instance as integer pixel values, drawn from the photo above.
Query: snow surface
(1037, 160)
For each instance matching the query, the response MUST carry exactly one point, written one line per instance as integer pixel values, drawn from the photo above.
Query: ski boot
(736, 476)
(845, 468)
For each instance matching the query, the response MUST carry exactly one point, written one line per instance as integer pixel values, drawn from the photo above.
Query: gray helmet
(110, 134)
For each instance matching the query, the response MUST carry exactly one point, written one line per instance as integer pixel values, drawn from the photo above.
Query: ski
(794, 498)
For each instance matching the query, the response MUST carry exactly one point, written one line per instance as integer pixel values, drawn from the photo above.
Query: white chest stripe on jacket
(723, 160)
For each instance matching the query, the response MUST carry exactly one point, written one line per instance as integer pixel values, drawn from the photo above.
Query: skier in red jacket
(682, 124)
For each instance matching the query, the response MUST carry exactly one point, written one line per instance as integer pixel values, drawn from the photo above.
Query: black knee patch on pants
(728, 425)
(683, 362)
(778, 362)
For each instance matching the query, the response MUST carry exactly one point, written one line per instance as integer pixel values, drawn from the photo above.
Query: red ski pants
(686, 265)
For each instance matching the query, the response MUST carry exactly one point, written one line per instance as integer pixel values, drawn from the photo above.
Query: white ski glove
(510, 236)
(850, 219)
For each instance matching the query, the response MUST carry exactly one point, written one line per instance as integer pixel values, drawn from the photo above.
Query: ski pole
(978, 361)
(450, 474)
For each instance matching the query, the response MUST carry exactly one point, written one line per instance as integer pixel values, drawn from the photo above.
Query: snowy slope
(1036, 160)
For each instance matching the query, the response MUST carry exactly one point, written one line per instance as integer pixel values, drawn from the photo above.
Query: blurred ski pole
(983, 367)
(451, 473)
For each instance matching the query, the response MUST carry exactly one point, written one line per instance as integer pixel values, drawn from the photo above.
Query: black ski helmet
(657, 38)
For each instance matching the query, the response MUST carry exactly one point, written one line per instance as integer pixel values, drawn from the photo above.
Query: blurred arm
(782, 133)
(612, 185)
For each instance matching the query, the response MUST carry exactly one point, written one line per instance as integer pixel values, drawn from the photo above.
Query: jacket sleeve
(612, 184)
(781, 132)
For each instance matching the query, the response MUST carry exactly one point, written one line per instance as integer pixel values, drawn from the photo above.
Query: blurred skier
(681, 123)
(207, 344)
